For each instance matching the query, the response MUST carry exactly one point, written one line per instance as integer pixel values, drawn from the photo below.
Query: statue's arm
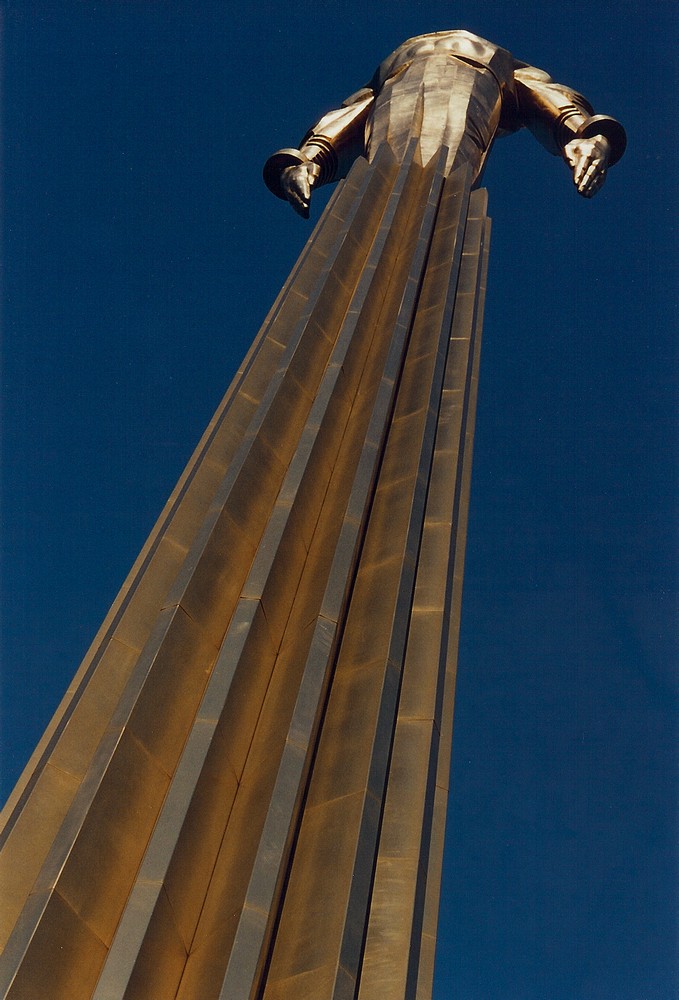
(325, 153)
(565, 123)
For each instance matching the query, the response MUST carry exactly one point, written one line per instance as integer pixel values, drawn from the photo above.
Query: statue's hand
(589, 160)
(297, 183)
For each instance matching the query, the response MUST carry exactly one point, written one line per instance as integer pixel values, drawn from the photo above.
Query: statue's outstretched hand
(589, 160)
(297, 183)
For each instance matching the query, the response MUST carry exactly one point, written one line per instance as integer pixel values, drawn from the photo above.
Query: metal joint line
(133, 928)
(360, 892)
(247, 965)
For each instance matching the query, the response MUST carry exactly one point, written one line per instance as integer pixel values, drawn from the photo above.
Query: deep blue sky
(141, 252)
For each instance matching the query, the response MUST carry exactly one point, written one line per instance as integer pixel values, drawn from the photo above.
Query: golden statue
(452, 89)
(243, 792)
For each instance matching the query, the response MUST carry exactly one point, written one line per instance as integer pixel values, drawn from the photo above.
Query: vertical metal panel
(249, 951)
(425, 974)
(154, 661)
(198, 478)
(393, 944)
(354, 748)
(114, 653)
(270, 588)
(246, 794)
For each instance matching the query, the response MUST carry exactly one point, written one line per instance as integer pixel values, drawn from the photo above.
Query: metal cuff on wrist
(276, 164)
(610, 129)
(324, 156)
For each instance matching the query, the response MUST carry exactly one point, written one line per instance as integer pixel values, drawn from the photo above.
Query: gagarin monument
(243, 791)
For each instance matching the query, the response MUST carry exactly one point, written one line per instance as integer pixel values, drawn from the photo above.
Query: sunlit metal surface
(450, 88)
(244, 790)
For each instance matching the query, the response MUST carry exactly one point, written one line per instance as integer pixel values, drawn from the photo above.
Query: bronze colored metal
(453, 89)
(243, 793)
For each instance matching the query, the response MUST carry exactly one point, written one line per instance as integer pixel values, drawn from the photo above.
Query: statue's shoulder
(453, 35)
(458, 42)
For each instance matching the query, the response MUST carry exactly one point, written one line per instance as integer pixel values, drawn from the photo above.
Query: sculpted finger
(288, 181)
(588, 175)
(300, 204)
(583, 168)
(592, 180)
(301, 207)
(597, 182)
(294, 183)
(304, 186)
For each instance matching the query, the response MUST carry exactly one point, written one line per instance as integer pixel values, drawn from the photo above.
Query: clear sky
(141, 253)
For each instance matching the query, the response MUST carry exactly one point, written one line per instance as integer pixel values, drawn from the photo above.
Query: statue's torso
(460, 44)
(447, 88)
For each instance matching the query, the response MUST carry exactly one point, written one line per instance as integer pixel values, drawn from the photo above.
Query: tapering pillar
(243, 792)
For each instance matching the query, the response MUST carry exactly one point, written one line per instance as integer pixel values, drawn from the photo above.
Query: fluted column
(243, 792)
